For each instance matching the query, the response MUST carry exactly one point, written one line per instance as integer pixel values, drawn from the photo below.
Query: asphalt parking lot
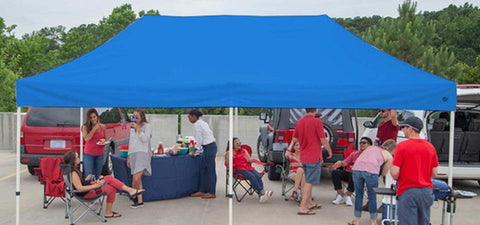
(190, 210)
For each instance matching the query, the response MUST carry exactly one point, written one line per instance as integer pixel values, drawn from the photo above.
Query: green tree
(8, 67)
(149, 12)
(120, 18)
(459, 31)
(410, 38)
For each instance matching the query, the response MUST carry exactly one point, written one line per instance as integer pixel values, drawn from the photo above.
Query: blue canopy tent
(237, 61)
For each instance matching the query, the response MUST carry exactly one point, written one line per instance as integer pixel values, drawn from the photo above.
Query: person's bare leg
(299, 176)
(108, 209)
(340, 192)
(129, 190)
(306, 196)
(137, 184)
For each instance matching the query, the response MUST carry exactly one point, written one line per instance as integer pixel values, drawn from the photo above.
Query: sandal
(316, 206)
(293, 197)
(137, 192)
(352, 223)
(307, 213)
(114, 214)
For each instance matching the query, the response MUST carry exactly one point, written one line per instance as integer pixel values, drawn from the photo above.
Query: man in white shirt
(206, 142)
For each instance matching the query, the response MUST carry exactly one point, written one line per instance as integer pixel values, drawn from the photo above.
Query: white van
(466, 160)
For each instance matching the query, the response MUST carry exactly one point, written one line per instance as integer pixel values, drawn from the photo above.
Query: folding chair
(287, 183)
(241, 181)
(50, 176)
(72, 195)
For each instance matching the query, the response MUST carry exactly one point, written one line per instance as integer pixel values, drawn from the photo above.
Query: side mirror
(263, 116)
(368, 124)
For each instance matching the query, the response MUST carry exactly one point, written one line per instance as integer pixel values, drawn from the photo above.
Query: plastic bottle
(191, 147)
(160, 148)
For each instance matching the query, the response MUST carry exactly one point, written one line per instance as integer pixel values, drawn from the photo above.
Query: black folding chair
(72, 195)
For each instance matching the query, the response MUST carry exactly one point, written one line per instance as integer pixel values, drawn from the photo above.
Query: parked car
(50, 132)
(466, 151)
(276, 135)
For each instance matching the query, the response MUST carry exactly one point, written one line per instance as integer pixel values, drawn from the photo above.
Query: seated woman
(82, 184)
(242, 165)
(295, 171)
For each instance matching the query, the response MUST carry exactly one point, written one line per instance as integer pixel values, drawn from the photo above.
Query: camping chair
(50, 176)
(241, 181)
(287, 183)
(72, 195)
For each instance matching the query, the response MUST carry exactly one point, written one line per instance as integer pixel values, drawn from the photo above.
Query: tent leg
(17, 193)
(450, 154)
(235, 127)
(81, 138)
(230, 166)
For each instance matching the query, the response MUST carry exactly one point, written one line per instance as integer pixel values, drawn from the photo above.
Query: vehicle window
(403, 114)
(334, 116)
(109, 115)
(125, 116)
(53, 117)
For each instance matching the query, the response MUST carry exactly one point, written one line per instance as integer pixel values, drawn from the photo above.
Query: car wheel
(330, 133)
(31, 169)
(107, 165)
(273, 174)
(261, 151)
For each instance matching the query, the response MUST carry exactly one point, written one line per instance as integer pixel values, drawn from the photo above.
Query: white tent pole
(230, 166)
(17, 193)
(235, 128)
(450, 157)
(450, 149)
(81, 137)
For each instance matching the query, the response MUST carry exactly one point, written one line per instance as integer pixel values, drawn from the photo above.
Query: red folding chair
(241, 181)
(50, 176)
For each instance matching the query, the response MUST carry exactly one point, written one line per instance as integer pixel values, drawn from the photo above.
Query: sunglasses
(363, 142)
(382, 110)
(135, 117)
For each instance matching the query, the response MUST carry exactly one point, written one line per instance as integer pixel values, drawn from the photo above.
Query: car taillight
(280, 135)
(22, 140)
(351, 137)
(25, 159)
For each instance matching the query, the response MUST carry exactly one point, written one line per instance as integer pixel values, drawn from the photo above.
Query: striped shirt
(294, 162)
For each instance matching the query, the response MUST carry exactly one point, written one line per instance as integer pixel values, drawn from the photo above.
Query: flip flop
(114, 214)
(307, 213)
(316, 206)
(138, 192)
(352, 223)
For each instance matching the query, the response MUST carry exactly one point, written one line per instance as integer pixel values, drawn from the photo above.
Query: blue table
(172, 176)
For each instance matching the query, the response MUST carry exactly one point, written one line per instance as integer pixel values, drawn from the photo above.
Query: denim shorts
(313, 171)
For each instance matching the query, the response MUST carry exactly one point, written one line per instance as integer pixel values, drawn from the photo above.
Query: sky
(32, 15)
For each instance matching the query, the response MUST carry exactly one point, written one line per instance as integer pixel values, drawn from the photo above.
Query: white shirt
(388, 183)
(140, 142)
(203, 134)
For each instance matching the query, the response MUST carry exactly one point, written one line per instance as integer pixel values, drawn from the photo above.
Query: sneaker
(348, 201)
(338, 200)
(136, 205)
(266, 196)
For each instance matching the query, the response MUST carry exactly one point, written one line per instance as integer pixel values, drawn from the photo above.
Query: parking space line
(12, 175)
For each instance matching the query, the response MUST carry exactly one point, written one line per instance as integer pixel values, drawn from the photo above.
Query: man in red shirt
(414, 165)
(309, 132)
(388, 129)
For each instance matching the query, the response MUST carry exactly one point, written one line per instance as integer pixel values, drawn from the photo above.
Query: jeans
(92, 164)
(360, 179)
(414, 206)
(254, 178)
(208, 175)
(339, 175)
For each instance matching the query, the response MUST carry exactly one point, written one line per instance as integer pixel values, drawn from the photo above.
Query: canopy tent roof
(242, 61)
